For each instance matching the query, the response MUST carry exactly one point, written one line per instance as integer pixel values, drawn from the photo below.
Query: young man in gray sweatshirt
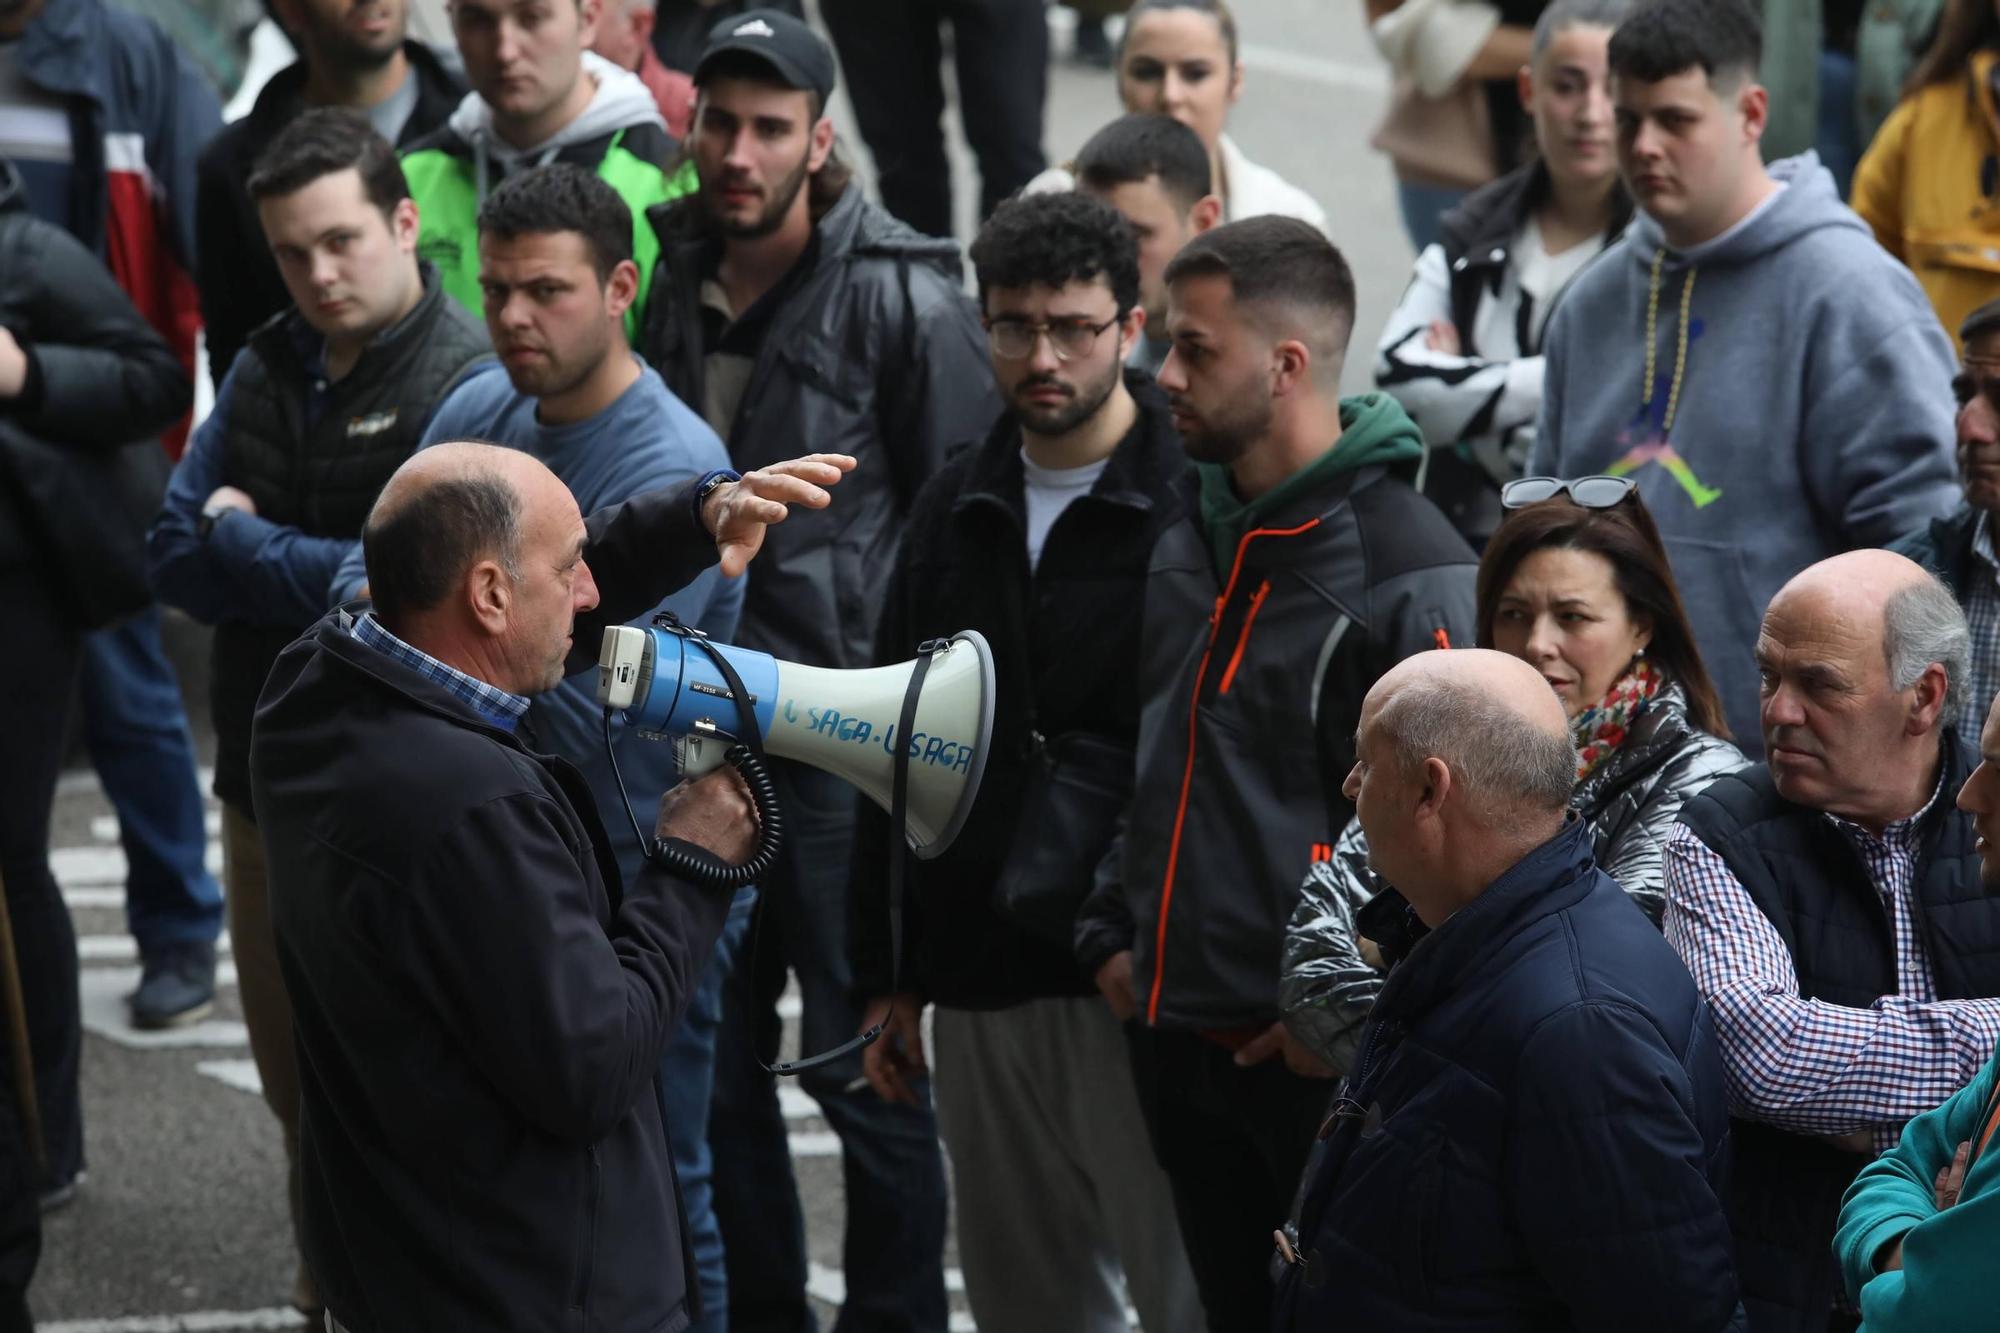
(1775, 383)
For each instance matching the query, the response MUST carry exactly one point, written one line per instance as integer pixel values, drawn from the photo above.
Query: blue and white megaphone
(666, 685)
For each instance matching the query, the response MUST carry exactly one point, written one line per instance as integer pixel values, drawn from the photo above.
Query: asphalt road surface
(182, 1224)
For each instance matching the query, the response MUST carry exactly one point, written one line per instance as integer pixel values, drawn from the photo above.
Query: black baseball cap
(795, 53)
(1983, 320)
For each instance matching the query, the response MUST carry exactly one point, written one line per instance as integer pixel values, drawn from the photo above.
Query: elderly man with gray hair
(1828, 902)
(1534, 1132)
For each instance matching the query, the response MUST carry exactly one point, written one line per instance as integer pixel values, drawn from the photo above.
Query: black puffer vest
(322, 480)
(1785, 1189)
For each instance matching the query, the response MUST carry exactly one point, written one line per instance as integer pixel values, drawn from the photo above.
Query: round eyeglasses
(1015, 339)
(1598, 492)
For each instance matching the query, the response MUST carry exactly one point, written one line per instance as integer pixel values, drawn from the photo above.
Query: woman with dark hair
(1575, 583)
(1929, 185)
(1178, 58)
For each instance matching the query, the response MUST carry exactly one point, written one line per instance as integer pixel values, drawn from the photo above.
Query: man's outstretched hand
(738, 512)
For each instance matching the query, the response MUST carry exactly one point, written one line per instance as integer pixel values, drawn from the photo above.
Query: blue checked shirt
(498, 707)
(1805, 1065)
(1982, 616)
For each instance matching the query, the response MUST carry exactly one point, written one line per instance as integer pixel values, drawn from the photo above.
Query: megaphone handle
(899, 855)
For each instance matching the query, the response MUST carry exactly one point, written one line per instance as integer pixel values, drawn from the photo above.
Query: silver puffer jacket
(1325, 987)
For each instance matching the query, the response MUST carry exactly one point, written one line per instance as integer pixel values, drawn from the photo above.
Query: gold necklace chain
(1680, 341)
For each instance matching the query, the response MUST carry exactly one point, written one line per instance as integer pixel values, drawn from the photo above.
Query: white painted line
(106, 865)
(194, 1321)
(820, 1144)
(85, 780)
(125, 949)
(830, 1285)
(241, 1075)
(790, 1006)
(104, 828)
(103, 991)
(796, 1102)
(95, 899)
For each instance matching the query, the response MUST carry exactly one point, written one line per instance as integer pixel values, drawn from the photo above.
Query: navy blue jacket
(1535, 1131)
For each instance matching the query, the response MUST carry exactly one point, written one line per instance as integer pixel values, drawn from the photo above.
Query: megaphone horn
(842, 722)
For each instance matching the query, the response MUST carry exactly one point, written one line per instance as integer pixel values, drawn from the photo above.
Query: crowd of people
(1515, 849)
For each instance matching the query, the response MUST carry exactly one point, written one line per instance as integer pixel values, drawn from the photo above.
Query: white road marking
(85, 780)
(194, 1321)
(104, 828)
(241, 1075)
(100, 899)
(103, 991)
(78, 866)
(125, 949)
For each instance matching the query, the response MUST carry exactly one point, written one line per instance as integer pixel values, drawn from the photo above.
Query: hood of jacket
(1374, 430)
(1806, 203)
(621, 101)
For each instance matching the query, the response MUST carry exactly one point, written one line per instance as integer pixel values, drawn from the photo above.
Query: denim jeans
(1838, 137)
(137, 734)
(687, 1084)
(893, 1253)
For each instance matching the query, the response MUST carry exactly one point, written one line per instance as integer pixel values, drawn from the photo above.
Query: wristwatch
(209, 517)
(706, 486)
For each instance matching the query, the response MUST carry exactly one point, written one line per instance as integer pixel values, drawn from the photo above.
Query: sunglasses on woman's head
(1588, 492)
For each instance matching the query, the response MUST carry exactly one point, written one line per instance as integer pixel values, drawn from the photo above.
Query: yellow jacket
(1921, 187)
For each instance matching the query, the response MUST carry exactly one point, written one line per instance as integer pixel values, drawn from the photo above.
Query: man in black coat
(1038, 538)
(350, 55)
(481, 1002)
(792, 309)
(80, 369)
(1535, 1131)
(325, 401)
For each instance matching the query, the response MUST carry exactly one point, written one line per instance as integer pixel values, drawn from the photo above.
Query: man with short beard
(352, 53)
(1037, 538)
(792, 311)
(1301, 565)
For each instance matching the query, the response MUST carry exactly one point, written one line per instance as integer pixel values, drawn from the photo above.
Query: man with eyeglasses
(1039, 539)
(1959, 547)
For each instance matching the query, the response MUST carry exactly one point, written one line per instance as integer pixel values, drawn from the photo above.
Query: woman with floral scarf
(1576, 583)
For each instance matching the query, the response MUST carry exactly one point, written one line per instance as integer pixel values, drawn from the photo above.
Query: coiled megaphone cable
(746, 756)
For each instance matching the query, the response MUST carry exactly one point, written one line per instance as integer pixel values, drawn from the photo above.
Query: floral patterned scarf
(1600, 729)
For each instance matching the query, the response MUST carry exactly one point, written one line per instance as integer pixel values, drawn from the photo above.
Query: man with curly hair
(1038, 538)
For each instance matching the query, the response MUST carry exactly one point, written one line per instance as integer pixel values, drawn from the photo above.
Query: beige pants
(267, 1010)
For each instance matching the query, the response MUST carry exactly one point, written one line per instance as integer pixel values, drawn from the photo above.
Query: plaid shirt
(498, 707)
(1982, 616)
(1805, 1065)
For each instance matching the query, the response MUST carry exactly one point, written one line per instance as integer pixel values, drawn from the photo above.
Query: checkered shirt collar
(496, 706)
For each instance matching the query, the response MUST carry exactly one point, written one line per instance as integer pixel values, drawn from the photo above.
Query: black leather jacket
(873, 350)
(98, 375)
(1630, 802)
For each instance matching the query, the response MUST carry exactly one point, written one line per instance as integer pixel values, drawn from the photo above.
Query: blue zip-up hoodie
(1804, 409)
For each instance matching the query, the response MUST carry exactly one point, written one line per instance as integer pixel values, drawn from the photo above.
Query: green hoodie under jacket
(1374, 429)
(619, 136)
(1946, 1282)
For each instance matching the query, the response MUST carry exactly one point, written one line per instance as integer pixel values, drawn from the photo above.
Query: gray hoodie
(621, 102)
(1811, 396)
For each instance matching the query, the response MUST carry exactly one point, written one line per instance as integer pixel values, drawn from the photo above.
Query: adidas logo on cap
(754, 28)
